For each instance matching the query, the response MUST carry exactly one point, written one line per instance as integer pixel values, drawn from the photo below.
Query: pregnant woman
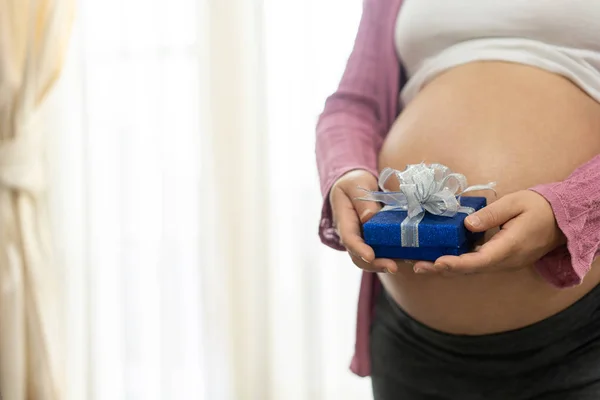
(504, 91)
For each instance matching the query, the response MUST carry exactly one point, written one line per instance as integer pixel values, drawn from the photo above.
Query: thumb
(493, 215)
(365, 209)
(351, 184)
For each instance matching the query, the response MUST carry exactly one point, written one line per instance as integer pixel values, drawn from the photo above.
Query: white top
(560, 36)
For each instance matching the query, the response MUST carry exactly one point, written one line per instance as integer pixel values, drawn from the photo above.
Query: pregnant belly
(512, 124)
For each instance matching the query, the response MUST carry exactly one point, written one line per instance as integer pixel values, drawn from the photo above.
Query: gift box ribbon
(432, 188)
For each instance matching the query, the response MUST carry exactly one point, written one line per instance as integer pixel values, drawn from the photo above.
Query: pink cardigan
(351, 130)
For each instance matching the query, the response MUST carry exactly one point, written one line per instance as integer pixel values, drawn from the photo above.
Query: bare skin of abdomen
(518, 126)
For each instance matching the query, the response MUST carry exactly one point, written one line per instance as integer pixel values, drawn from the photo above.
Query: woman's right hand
(349, 214)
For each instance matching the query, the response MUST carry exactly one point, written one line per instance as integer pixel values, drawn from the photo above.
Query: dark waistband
(581, 319)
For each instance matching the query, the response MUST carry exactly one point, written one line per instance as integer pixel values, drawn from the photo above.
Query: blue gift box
(438, 235)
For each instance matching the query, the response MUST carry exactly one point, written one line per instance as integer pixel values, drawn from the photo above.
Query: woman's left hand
(528, 231)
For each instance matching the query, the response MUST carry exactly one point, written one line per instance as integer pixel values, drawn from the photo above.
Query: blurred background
(159, 201)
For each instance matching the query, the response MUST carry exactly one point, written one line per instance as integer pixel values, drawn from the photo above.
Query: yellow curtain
(33, 40)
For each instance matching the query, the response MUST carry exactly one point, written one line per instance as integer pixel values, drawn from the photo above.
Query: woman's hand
(349, 214)
(528, 231)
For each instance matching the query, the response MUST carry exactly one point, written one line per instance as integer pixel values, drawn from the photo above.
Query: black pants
(555, 359)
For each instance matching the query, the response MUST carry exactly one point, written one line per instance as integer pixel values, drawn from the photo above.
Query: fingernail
(365, 214)
(389, 271)
(473, 220)
(420, 270)
(368, 262)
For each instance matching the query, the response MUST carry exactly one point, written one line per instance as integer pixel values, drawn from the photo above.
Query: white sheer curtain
(314, 290)
(186, 202)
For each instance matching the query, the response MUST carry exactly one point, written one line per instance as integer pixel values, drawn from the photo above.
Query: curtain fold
(282, 304)
(235, 134)
(33, 40)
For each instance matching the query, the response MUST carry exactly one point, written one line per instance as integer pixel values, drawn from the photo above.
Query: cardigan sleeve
(353, 124)
(576, 205)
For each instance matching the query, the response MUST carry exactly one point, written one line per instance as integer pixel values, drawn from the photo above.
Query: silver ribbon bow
(432, 188)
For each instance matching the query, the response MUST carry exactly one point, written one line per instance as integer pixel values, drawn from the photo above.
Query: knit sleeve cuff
(567, 265)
